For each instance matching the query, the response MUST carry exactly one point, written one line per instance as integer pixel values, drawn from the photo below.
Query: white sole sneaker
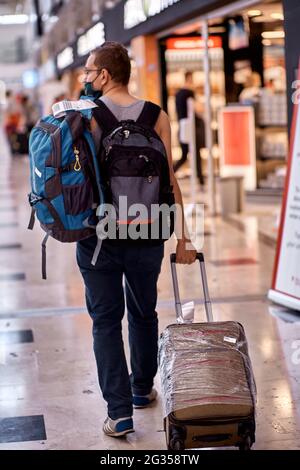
(143, 401)
(118, 427)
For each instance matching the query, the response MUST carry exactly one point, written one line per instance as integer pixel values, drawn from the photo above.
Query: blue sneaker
(118, 427)
(142, 401)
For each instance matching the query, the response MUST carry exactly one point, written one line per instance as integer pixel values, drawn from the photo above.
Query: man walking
(107, 74)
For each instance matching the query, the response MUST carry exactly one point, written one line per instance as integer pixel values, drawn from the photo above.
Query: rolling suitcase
(208, 387)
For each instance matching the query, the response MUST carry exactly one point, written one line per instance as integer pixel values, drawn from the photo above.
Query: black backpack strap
(106, 120)
(44, 256)
(75, 121)
(149, 114)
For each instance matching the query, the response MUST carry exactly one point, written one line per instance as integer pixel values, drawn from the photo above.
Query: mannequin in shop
(181, 99)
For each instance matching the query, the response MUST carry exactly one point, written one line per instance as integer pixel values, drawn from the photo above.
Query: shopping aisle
(49, 395)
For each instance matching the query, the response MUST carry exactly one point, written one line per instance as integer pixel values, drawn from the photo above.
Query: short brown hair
(113, 57)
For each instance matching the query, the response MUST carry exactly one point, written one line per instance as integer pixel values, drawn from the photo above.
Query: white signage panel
(65, 58)
(286, 277)
(138, 11)
(94, 37)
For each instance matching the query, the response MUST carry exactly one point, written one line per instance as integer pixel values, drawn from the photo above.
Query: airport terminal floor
(49, 396)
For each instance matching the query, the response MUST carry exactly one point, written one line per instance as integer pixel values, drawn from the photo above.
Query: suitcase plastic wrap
(205, 364)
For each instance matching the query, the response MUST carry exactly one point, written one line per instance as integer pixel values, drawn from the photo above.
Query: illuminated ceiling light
(273, 34)
(14, 19)
(277, 16)
(267, 42)
(252, 13)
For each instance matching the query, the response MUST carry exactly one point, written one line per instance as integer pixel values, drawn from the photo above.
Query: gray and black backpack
(135, 176)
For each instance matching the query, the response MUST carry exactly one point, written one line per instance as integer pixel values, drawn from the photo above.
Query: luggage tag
(188, 312)
(62, 107)
(229, 339)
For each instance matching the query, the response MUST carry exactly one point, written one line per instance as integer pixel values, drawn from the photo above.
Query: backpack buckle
(34, 198)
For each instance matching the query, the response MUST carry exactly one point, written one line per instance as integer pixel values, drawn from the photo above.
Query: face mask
(90, 91)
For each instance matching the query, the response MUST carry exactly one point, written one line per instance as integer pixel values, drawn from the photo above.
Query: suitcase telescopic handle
(207, 301)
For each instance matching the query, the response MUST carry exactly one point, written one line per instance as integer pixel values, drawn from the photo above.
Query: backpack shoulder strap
(104, 117)
(149, 114)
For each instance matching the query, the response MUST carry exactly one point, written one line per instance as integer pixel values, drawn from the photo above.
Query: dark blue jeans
(105, 302)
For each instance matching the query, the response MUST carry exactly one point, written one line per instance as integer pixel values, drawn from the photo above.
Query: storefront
(247, 66)
(246, 48)
(245, 43)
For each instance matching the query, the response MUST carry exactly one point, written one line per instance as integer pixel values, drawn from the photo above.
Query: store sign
(65, 58)
(193, 43)
(285, 288)
(94, 37)
(138, 11)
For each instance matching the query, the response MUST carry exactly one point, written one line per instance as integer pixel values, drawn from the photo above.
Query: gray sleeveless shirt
(131, 111)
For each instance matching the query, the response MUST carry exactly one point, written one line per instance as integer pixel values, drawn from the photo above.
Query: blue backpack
(65, 178)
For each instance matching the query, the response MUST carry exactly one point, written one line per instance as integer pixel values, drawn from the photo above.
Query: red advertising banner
(237, 143)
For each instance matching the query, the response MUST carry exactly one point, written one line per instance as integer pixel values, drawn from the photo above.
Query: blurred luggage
(208, 386)
(19, 142)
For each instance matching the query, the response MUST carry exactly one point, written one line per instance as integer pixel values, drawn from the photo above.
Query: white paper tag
(228, 339)
(60, 108)
(188, 312)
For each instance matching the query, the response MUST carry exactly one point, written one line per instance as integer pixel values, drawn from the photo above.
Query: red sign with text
(194, 42)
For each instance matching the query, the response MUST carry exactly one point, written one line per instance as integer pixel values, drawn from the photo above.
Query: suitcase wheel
(176, 438)
(246, 444)
(176, 444)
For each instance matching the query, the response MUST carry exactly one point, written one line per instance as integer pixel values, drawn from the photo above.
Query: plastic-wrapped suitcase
(208, 387)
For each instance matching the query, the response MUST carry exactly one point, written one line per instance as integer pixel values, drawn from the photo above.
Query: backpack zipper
(77, 165)
(147, 159)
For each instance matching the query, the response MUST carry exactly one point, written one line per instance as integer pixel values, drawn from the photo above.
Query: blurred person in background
(252, 89)
(29, 112)
(181, 100)
(13, 113)
(20, 117)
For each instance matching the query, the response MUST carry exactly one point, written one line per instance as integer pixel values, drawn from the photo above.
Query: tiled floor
(49, 396)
